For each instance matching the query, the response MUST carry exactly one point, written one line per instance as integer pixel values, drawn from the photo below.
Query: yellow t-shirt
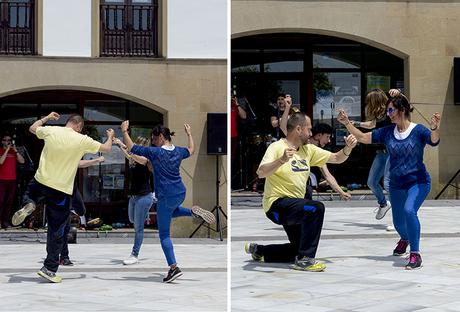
(60, 156)
(290, 179)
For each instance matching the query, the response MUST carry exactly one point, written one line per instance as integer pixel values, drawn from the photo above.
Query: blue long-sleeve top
(406, 155)
(166, 168)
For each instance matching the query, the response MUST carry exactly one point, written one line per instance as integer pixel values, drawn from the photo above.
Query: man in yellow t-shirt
(53, 182)
(286, 167)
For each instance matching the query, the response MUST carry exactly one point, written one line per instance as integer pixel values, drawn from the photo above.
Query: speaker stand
(217, 209)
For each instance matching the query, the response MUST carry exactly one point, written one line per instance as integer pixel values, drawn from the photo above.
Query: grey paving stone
(361, 273)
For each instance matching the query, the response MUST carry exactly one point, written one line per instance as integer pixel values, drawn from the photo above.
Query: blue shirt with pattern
(406, 155)
(166, 168)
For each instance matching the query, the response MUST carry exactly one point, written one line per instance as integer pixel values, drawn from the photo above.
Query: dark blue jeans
(57, 215)
(302, 220)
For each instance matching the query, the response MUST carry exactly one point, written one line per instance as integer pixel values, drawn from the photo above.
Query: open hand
(188, 129)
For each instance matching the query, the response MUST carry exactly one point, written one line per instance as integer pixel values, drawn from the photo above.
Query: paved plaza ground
(361, 274)
(100, 282)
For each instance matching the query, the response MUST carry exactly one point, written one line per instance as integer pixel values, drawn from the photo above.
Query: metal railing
(129, 30)
(17, 23)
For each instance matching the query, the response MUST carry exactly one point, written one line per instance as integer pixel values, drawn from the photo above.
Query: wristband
(343, 150)
(434, 129)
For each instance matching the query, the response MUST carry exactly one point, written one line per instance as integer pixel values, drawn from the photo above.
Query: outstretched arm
(191, 144)
(139, 159)
(364, 124)
(107, 146)
(333, 183)
(44, 120)
(365, 138)
(342, 155)
(85, 163)
(126, 138)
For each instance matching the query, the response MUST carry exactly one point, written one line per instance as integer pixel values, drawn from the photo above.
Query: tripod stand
(217, 208)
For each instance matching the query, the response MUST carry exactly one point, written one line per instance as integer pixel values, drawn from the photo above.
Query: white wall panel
(197, 29)
(67, 27)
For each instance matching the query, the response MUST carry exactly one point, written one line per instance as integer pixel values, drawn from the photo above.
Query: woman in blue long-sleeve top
(169, 188)
(410, 182)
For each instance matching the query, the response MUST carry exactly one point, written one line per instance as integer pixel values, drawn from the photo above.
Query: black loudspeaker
(217, 134)
(457, 80)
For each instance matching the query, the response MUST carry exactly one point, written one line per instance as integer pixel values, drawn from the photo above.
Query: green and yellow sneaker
(251, 248)
(308, 264)
(48, 275)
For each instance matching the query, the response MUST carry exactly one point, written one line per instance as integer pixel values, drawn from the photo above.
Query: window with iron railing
(129, 28)
(17, 34)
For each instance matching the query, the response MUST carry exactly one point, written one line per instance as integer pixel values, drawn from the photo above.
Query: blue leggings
(405, 205)
(168, 208)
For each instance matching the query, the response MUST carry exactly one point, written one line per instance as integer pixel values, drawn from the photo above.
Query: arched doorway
(104, 187)
(321, 73)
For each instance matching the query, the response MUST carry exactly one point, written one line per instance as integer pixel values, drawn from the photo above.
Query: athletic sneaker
(390, 228)
(308, 264)
(251, 248)
(415, 261)
(172, 275)
(203, 214)
(48, 275)
(131, 260)
(382, 211)
(66, 262)
(21, 214)
(400, 248)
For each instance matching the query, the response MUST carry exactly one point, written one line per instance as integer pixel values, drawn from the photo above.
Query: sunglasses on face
(391, 110)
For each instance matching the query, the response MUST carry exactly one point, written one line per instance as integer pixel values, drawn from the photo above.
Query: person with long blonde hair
(140, 194)
(376, 101)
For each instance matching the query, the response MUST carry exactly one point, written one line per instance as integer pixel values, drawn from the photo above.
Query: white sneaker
(131, 260)
(390, 228)
(203, 214)
(382, 211)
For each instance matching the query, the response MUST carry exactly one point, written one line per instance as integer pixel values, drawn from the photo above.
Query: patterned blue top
(166, 166)
(406, 155)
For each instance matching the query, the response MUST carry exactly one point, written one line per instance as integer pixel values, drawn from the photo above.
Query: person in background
(237, 112)
(410, 182)
(9, 156)
(78, 207)
(376, 102)
(276, 115)
(140, 194)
